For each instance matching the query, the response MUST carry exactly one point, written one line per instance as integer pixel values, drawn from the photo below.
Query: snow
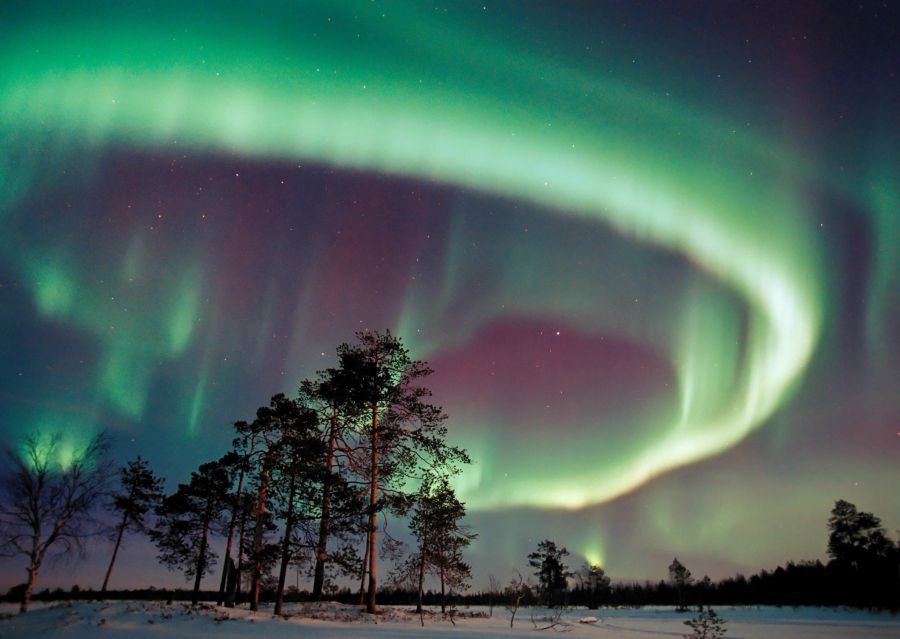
(153, 620)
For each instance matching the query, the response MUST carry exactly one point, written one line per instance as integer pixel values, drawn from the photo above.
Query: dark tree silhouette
(441, 538)
(140, 491)
(329, 395)
(864, 560)
(297, 477)
(238, 458)
(400, 432)
(856, 539)
(551, 572)
(596, 582)
(266, 431)
(706, 625)
(680, 578)
(186, 518)
(49, 495)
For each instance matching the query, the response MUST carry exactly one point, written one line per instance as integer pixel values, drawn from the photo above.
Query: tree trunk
(363, 573)
(29, 585)
(285, 548)
(371, 608)
(325, 521)
(115, 552)
(518, 600)
(443, 594)
(201, 562)
(231, 527)
(421, 580)
(258, 536)
(239, 566)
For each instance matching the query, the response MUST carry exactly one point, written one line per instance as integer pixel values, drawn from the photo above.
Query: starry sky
(651, 249)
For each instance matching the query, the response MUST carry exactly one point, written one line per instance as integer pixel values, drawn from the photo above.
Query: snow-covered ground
(140, 620)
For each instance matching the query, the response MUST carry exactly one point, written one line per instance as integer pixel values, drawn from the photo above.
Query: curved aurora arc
(593, 161)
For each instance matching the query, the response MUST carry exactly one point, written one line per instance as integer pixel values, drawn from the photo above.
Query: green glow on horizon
(593, 553)
(609, 157)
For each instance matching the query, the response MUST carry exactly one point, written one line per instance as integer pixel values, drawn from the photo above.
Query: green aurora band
(459, 106)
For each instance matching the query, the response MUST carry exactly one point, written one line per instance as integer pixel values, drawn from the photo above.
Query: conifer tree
(706, 625)
(680, 577)
(551, 572)
(596, 581)
(297, 478)
(186, 518)
(140, 491)
(441, 538)
(400, 431)
(856, 538)
(328, 395)
(238, 459)
(266, 430)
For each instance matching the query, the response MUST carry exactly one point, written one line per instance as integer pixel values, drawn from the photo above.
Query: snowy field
(139, 620)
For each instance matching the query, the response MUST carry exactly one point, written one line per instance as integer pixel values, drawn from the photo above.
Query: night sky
(652, 251)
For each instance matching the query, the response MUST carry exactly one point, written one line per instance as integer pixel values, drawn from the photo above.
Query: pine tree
(400, 431)
(680, 578)
(297, 478)
(186, 518)
(856, 538)
(706, 625)
(338, 502)
(596, 582)
(140, 491)
(442, 539)
(266, 431)
(551, 572)
(238, 459)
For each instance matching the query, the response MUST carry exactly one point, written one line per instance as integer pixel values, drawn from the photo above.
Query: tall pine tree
(400, 431)
(266, 431)
(328, 395)
(187, 517)
(551, 572)
(297, 477)
(441, 538)
(140, 491)
(680, 577)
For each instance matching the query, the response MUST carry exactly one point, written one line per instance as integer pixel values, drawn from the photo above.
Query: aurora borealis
(651, 251)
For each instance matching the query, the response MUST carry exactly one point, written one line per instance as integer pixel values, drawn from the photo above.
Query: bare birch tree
(49, 495)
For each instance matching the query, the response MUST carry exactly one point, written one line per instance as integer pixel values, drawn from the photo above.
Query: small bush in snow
(706, 625)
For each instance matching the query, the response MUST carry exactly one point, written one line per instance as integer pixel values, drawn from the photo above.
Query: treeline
(805, 583)
(866, 578)
(795, 584)
(863, 571)
(309, 483)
